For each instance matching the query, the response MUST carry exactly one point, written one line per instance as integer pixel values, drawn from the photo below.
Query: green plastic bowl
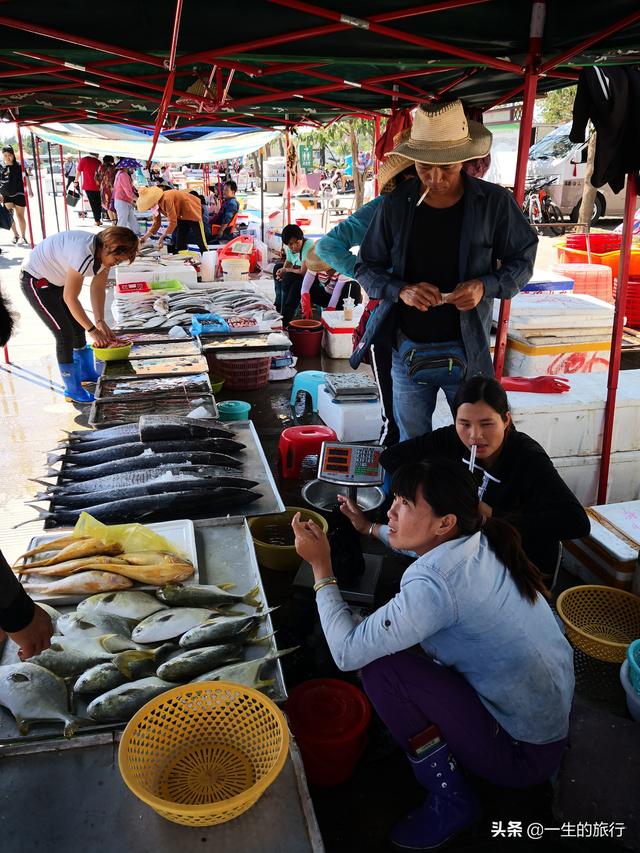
(270, 554)
(112, 353)
(216, 384)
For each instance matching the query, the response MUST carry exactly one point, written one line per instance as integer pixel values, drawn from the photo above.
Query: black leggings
(187, 231)
(48, 303)
(95, 200)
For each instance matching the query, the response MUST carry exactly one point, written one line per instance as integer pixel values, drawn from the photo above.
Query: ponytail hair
(449, 489)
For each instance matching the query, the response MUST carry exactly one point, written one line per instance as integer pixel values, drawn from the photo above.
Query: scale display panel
(351, 464)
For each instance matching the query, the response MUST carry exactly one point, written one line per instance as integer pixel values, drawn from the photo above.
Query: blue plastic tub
(633, 656)
(234, 410)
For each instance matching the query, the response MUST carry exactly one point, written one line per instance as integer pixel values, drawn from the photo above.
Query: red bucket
(306, 337)
(329, 719)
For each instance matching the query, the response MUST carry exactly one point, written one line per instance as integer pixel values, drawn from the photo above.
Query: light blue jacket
(461, 605)
(335, 247)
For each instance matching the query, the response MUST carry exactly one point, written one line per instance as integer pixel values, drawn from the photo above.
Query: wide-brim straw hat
(393, 164)
(314, 262)
(148, 198)
(442, 134)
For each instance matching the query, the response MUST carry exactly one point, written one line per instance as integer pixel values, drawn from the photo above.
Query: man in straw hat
(335, 250)
(183, 212)
(440, 249)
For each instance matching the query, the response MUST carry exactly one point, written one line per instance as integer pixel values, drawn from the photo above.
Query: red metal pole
(26, 195)
(168, 90)
(64, 189)
(616, 338)
(287, 177)
(536, 29)
(376, 164)
(36, 154)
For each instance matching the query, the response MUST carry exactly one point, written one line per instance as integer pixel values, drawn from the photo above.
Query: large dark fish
(146, 460)
(157, 506)
(168, 428)
(179, 484)
(78, 445)
(135, 448)
(119, 432)
(134, 478)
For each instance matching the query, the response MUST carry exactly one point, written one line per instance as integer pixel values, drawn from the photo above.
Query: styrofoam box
(184, 273)
(557, 359)
(350, 421)
(547, 281)
(581, 474)
(337, 338)
(572, 423)
(553, 311)
(607, 556)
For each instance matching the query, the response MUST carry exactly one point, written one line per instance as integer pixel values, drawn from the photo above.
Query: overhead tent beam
(363, 110)
(79, 41)
(168, 91)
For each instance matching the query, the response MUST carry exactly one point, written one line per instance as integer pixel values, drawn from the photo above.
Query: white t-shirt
(61, 252)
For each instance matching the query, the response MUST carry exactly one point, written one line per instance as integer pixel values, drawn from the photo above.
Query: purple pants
(410, 692)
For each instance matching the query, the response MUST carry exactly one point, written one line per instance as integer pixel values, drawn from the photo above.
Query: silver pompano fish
(246, 673)
(221, 628)
(193, 662)
(99, 678)
(171, 623)
(204, 595)
(125, 666)
(94, 625)
(122, 702)
(129, 605)
(34, 694)
(69, 656)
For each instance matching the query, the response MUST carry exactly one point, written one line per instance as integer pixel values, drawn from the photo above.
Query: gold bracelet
(324, 582)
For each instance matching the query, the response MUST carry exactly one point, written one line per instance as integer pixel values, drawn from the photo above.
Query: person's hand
(305, 305)
(466, 295)
(311, 543)
(102, 335)
(280, 273)
(36, 637)
(421, 295)
(355, 515)
(485, 509)
(1, 199)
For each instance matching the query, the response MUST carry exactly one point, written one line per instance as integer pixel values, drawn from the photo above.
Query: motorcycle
(540, 209)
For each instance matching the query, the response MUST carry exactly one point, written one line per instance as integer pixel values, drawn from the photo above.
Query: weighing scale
(354, 466)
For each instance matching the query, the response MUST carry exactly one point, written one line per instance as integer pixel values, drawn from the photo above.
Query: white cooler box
(547, 281)
(184, 273)
(609, 555)
(581, 474)
(337, 338)
(350, 421)
(525, 359)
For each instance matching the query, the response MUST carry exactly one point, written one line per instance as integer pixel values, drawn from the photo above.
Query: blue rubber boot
(451, 807)
(73, 389)
(84, 360)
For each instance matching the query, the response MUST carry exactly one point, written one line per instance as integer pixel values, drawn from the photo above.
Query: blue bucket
(633, 656)
(234, 410)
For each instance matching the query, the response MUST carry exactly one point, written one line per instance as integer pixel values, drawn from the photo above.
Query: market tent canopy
(269, 62)
(208, 147)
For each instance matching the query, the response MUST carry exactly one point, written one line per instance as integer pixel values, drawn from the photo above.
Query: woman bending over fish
(466, 665)
(51, 279)
(27, 624)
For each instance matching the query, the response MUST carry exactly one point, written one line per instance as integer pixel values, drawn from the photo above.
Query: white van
(557, 156)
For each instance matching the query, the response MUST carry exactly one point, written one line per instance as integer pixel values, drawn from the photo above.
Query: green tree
(557, 106)
(336, 138)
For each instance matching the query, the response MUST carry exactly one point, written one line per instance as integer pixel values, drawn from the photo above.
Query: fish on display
(148, 459)
(95, 625)
(204, 595)
(69, 567)
(130, 605)
(129, 665)
(194, 662)
(118, 432)
(163, 428)
(220, 629)
(83, 582)
(34, 694)
(134, 478)
(99, 678)
(69, 656)
(54, 614)
(169, 568)
(246, 673)
(122, 702)
(171, 623)
(162, 485)
(88, 547)
(136, 448)
(161, 505)
(55, 545)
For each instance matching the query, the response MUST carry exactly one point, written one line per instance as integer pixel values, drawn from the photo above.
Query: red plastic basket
(241, 374)
(632, 304)
(599, 242)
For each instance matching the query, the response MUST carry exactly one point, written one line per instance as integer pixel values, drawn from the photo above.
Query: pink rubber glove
(329, 308)
(305, 305)
(536, 384)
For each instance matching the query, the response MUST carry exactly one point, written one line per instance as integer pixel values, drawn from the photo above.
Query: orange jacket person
(183, 212)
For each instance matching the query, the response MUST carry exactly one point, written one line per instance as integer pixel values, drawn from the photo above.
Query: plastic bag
(132, 537)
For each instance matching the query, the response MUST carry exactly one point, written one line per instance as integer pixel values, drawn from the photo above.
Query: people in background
(86, 179)
(105, 176)
(325, 287)
(440, 249)
(288, 274)
(166, 174)
(205, 215)
(222, 227)
(515, 478)
(125, 194)
(13, 182)
(69, 171)
(51, 279)
(466, 665)
(184, 217)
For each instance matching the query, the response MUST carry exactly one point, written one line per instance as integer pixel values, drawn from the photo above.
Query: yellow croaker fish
(153, 558)
(69, 567)
(158, 575)
(54, 545)
(76, 584)
(82, 548)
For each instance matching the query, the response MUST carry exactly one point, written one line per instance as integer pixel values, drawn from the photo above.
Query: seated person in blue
(220, 226)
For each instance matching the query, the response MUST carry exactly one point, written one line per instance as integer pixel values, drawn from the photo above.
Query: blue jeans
(413, 403)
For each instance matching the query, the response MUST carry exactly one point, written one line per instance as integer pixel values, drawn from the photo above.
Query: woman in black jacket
(516, 478)
(12, 191)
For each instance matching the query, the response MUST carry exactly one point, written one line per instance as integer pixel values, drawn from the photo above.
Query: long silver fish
(171, 623)
(148, 459)
(135, 478)
(132, 449)
(223, 628)
(34, 694)
(193, 662)
(122, 702)
(129, 605)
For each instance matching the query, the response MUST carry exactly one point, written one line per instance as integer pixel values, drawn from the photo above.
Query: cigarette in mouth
(472, 458)
(422, 197)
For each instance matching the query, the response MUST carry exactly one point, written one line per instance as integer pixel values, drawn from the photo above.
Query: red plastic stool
(298, 442)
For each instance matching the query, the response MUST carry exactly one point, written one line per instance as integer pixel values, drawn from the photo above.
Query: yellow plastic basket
(202, 754)
(600, 621)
